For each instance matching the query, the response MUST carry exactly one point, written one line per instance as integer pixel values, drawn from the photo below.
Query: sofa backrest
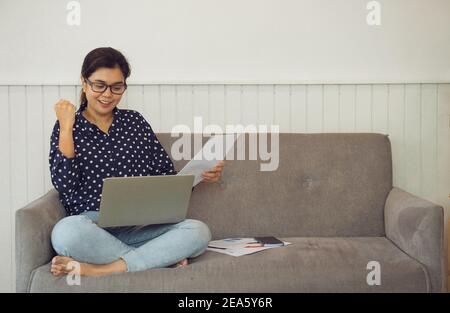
(326, 184)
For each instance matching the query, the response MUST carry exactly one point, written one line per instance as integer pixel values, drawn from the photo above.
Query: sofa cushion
(326, 185)
(308, 265)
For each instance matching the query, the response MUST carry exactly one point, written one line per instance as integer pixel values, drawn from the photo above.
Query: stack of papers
(238, 246)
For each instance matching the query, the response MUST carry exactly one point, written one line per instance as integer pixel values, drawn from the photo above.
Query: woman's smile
(105, 103)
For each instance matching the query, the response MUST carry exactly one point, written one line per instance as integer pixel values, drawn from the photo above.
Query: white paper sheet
(237, 246)
(207, 158)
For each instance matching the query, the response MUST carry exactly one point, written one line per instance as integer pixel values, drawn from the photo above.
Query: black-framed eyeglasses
(101, 87)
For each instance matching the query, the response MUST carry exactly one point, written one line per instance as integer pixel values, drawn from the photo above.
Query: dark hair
(102, 57)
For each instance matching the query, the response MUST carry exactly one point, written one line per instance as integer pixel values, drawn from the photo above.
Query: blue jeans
(141, 247)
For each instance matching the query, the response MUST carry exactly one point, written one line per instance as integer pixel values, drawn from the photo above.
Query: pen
(255, 246)
(217, 247)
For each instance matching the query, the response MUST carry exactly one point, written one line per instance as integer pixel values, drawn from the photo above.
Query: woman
(99, 141)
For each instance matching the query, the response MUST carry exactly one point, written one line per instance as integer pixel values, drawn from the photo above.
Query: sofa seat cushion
(308, 265)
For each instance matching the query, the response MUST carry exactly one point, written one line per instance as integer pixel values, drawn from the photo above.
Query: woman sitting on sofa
(99, 141)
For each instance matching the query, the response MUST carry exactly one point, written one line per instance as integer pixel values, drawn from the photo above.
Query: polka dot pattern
(130, 148)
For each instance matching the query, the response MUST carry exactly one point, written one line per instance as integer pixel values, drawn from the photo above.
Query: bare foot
(62, 265)
(183, 262)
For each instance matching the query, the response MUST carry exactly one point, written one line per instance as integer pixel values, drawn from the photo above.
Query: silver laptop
(144, 200)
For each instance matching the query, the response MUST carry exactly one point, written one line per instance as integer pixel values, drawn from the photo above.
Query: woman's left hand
(214, 174)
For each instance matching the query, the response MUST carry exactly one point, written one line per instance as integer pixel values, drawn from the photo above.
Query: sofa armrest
(416, 226)
(34, 224)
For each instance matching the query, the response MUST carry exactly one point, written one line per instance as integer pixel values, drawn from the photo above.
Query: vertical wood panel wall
(416, 117)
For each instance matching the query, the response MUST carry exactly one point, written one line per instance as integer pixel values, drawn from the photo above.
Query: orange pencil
(254, 245)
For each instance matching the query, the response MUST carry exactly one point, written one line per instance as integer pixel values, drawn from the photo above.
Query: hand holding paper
(214, 174)
(208, 163)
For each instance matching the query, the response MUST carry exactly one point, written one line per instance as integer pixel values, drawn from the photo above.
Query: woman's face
(103, 103)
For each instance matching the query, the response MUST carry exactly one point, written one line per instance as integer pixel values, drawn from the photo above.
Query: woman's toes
(57, 273)
(63, 260)
(183, 263)
(59, 265)
(56, 270)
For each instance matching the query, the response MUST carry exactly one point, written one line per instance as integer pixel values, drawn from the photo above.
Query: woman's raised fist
(65, 113)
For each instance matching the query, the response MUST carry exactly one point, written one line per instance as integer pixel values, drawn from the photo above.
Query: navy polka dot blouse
(129, 149)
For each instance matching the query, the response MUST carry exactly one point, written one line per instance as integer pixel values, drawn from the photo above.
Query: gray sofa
(332, 197)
